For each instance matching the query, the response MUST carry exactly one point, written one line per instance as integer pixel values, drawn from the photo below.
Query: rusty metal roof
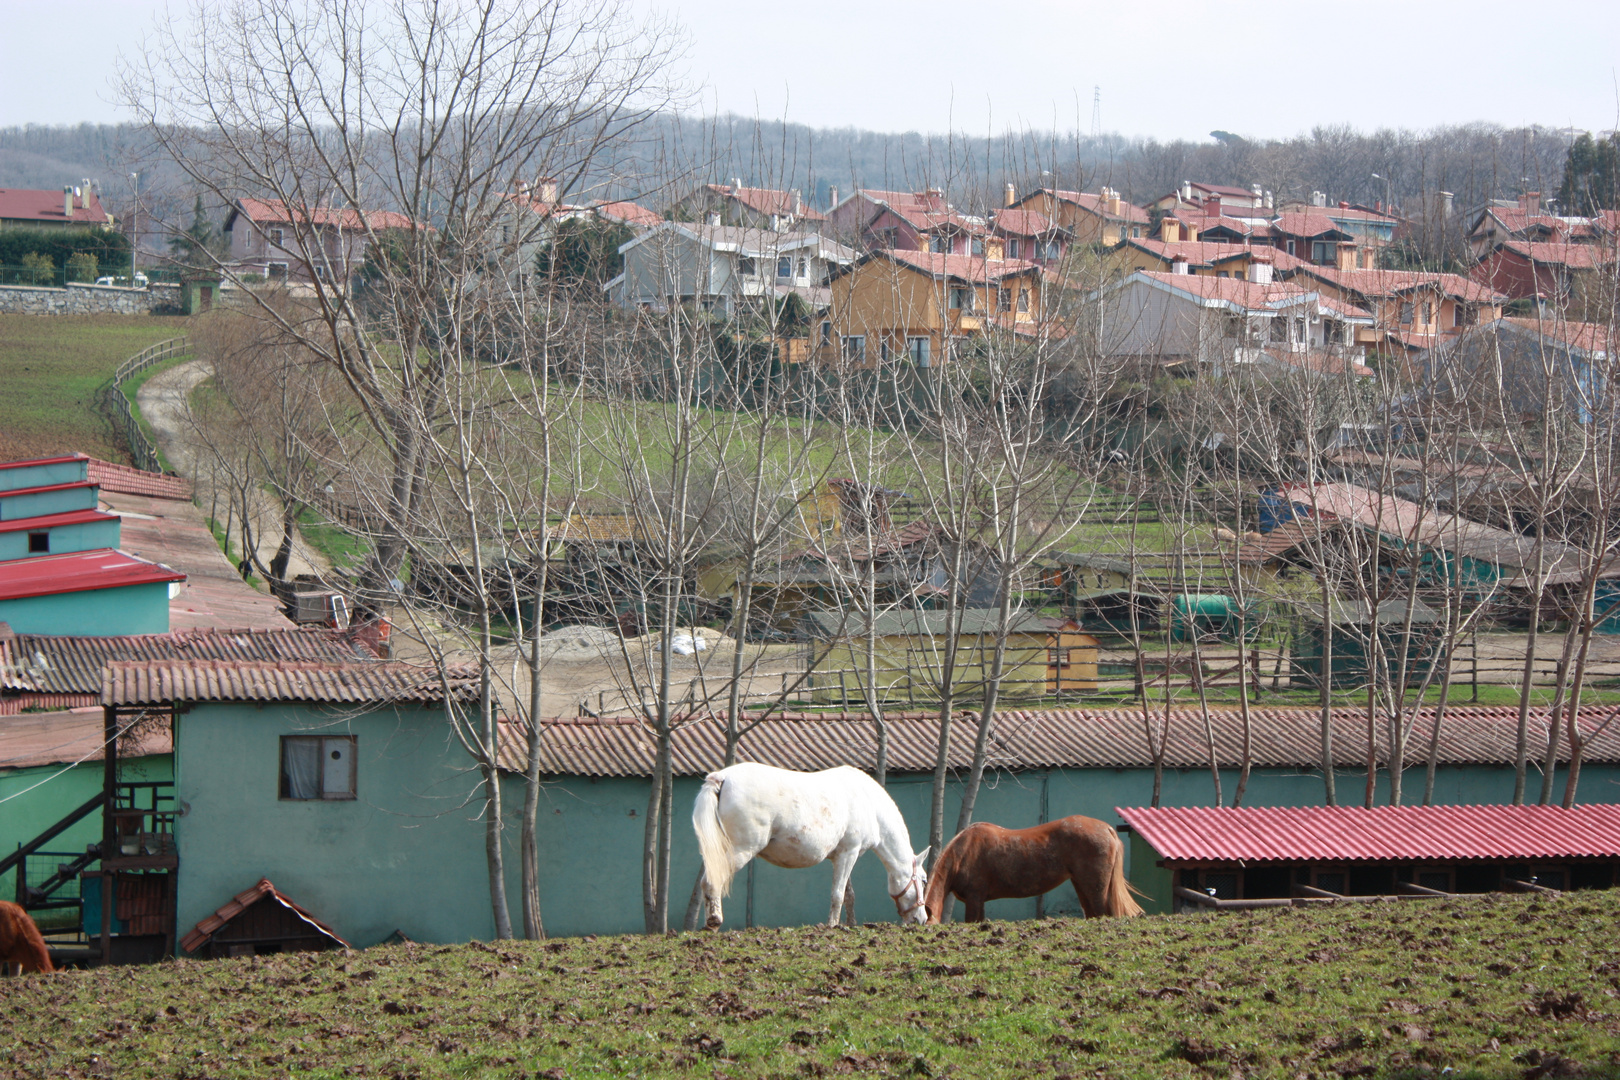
(207, 928)
(52, 664)
(1039, 739)
(69, 735)
(162, 682)
(1380, 834)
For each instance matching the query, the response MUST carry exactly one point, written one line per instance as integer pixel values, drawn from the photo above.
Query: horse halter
(920, 903)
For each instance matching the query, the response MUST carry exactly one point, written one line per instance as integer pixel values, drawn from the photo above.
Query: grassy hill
(1471, 987)
(50, 367)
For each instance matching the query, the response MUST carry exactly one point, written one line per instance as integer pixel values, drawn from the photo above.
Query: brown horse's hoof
(712, 923)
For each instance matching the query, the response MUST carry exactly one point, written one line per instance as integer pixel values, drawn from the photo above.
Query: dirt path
(164, 404)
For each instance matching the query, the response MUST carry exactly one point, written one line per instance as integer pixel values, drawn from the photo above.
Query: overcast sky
(1272, 69)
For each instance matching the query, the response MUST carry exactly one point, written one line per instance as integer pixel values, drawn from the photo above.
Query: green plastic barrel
(1202, 614)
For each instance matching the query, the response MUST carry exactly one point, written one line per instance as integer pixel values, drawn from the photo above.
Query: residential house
(1028, 234)
(1198, 257)
(920, 306)
(1235, 201)
(1523, 219)
(1102, 219)
(1412, 309)
(625, 212)
(1212, 222)
(1315, 237)
(1371, 227)
(1567, 274)
(771, 209)
(74, 207)
(1528, 367)
(921, 222)
(719, 268)
(303, 244)
(1203, 323)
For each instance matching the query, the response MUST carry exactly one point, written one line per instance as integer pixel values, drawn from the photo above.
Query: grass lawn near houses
(1472, 987)
(50, 367)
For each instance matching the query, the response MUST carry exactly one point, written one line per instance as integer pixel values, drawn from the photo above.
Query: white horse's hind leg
(739, 859)
(843, 866)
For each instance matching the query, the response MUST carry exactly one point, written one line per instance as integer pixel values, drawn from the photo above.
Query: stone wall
(85, 299)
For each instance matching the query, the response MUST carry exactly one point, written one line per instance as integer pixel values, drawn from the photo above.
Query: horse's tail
(1117, 900)
(711, 835)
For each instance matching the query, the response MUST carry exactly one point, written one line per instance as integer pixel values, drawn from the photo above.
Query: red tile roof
(1589, 337)
(1196, 252)
(1036, 739)
(1306, 225)
(46, 207)
(769, 201)
(924, 220)
(1249, 294)
(913, 200)
(1196, 219)
(1554, 253)
(133, 481)
(154, 682)
(1096, 204)
(81, 571)
(52, 521)
(1517, 220)
(207, 928)
(1016, 222)
(629, 213)
(276, 212)
(1381, 283)
(1381, 834)
(974, 269)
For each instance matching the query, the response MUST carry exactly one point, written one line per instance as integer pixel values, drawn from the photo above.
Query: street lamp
(1385, 179)
(134, 223)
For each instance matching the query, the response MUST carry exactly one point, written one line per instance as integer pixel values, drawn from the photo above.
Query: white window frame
(784, 266)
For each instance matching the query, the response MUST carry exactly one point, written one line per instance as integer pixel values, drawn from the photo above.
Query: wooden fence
(116, 404)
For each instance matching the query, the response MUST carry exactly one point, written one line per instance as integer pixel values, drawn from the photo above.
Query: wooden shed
(1352, 631)
(1189, 857)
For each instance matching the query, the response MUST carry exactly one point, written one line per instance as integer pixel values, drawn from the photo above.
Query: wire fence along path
(121, 412)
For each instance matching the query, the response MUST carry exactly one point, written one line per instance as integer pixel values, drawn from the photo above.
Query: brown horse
(986, 862)
(20, 941)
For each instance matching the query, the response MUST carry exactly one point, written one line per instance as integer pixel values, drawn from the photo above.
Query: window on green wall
(317, 767)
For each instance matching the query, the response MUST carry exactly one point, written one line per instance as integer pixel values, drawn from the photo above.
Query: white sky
(1273, 69)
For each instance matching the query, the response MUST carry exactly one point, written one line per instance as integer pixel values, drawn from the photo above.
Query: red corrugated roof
(203, 931)
(43, 488)
(82, 571)
(359, 683)
(1381, 834)
(52, 521)
(59, 459)
(46, 207)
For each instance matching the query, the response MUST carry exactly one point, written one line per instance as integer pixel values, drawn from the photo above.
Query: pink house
(303, 244)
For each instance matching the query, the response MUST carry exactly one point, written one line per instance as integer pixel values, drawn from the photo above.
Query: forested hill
(670, 154)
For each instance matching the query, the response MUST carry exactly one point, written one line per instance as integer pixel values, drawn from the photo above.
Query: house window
(275, 271)
(745, 266)
(1321, 253)
(1012, 249)
(977, 246)
(506, 234)
(826, 333)
(278, 237)
(784, 266)
(1276, 330)
(1136, 232)
(1048, 250)
(1023, 300)
(961, 299)
(804, 268)
(1406, 314)
(917, 348)
(939, 245)
(855, 348)
(317, 767)
(39, 543)
(1223, 273)
(1290, 247)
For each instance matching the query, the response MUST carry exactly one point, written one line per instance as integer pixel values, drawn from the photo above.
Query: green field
(1471, 987)
(50, 367)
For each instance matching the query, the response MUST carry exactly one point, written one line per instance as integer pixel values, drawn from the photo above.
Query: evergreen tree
(1591, 176)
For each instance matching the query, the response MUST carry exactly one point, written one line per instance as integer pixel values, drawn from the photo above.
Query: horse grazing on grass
(986, 862)
(20, 941)
(795, 820)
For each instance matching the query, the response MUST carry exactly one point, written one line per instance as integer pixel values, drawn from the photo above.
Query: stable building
(1192, 857)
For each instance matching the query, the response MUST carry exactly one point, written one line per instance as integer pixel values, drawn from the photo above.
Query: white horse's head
(909, 900)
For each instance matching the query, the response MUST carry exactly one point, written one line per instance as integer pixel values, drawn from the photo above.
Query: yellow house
(1412, 309)
(1042, 656)
(1201, 259)
(1103, 219)
(916, 306)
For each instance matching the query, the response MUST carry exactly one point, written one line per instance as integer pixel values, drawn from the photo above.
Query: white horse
(795, 820)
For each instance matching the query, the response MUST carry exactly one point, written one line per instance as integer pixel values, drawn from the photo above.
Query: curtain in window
(301, 767)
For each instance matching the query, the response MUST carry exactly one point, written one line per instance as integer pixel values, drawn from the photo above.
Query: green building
(1357, 640)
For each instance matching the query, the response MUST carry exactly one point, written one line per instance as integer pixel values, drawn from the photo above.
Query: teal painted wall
(26, 816)
(13, 507)
(131, 609)
(88, 536)
(405, 854)
(61, 472)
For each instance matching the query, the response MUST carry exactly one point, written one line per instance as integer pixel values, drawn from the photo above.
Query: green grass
(1476, 987)
(50, 367)
(342, 548)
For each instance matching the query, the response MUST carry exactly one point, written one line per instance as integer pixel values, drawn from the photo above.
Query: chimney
(1010, 197)
(736, 182)
(67, 201)
(714, 218)
(1271, 202)
(1346, 256)
(1178, 264)
(1186, 191)
(832, 196)
(1318, 199)
(550, 193)
(1260, 268)
(1169, 230)
(1113, 202)
(798, 202)
(1531, 201)
(1343, 205)
(1445, 204)
(1212, 208)
(1259, 196)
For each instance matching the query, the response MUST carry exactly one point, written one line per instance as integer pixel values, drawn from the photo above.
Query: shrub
(81, 266)
(43, 270)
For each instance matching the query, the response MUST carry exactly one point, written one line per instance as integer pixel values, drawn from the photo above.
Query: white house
(718, 267)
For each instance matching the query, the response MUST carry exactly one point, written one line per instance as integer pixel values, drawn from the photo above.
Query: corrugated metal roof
(1380, 834)
(82, 571)
(56, 738)
(163, 682)
(1039, 739)
(50, 664)
(54, 521)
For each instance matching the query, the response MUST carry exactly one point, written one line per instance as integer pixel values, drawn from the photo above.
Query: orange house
(918, 306)
(1103, 219)
(1412, 309)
